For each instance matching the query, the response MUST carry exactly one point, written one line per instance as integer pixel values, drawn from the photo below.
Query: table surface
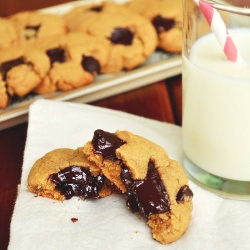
(159, 100)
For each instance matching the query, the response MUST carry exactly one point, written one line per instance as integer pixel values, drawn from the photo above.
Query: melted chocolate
(126, 176)
(148, 196)
(122, 36)
(34, 29)
(162, 24)
(184, 194)
(106, 143)
(56, 55)
(77, 181)
(97, 8)
(8, 65)
(90, 64)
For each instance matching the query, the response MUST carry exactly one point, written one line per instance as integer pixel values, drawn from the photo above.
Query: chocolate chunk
(31, 31)
(90, 64)
(132, 203)
(8, 65)
(162, 24)
(148, 196)
(184, 194)
(74, 220)
(127, 180)
(97, 8)
(77, 181)
(122, 36)
(106, 143)
(56, 55)
(126, 176)
(33, 27)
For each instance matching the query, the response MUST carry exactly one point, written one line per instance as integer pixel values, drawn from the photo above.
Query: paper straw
(218, 27)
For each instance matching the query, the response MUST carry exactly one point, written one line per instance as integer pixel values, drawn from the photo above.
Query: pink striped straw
(218, 27)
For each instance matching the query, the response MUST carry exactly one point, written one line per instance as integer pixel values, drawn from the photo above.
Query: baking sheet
(159, 66)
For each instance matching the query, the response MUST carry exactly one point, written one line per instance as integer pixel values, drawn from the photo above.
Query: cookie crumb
(139, 217)
(74, 220)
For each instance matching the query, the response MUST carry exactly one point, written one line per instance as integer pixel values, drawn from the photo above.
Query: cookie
(8, 34)
(131, 37)
(155, 185)
(75, 59)
(22, 69)
(63, 173)
(33, 26)
(166, 16)
(4, 98)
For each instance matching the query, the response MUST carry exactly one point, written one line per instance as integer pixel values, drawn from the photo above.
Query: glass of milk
(216, 101)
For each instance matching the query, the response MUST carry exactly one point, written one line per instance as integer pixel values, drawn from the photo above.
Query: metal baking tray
(159, 66)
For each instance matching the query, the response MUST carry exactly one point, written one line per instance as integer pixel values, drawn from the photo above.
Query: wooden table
(160, 101)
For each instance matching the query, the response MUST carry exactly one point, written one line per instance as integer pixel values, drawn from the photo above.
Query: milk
(216, 108)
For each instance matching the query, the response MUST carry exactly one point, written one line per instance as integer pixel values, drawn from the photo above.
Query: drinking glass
(216, 100)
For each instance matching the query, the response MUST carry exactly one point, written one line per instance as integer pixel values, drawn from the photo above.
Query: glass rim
(225, 6)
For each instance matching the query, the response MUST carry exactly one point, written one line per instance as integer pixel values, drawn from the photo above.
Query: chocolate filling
(56, 55)
(149, 195)
(77, 181)
(106, 143)
(122, 36)
(90, 64)
(185, 193)
(162, 24)
(8, 65)
(31, 31)
(97, 8)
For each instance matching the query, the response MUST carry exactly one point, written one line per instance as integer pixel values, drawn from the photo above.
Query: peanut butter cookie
(75, 60)
(132, 38)
(21, 70)
(155, 185)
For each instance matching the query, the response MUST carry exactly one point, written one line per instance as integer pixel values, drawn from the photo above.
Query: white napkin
(41, 223)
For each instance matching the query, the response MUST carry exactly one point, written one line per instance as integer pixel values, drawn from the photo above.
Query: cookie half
(64, 173)
(155, 185)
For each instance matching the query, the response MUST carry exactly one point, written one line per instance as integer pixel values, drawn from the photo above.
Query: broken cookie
(155, 185)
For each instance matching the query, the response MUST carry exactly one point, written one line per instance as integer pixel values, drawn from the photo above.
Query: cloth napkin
(42, 223)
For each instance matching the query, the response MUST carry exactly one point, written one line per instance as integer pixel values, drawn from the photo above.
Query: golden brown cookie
(64, 173)
(8, 33)
(33, 26)
(22, 69)
(166, 16)
(75, 59)
(155, 185)
(131, 37)
(4, 98)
